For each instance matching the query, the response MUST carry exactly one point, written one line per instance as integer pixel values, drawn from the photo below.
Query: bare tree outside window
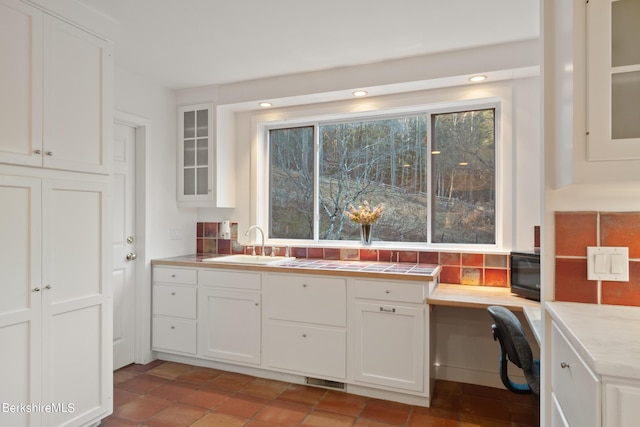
(386, 161)
(464, 177)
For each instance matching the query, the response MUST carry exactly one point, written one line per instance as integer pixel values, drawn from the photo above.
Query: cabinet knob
(304, 285)
(256, 304)
(49, 153)
(37, 151)
(173, 275)
(48, 287)
(304, 335)
(564, 365)
(173, 327)
(36, 289)
(387, 292)
(173, 293)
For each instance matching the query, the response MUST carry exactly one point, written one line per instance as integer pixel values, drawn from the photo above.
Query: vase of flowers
(366, 217)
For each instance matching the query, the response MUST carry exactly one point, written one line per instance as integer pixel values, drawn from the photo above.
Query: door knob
(131, 256)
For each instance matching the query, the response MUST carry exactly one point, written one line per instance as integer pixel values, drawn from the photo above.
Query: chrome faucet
(261, 233)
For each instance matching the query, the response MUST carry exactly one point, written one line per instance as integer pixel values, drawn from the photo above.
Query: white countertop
(607, 337)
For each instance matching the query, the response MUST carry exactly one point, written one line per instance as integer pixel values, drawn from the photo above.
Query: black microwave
(525, 274)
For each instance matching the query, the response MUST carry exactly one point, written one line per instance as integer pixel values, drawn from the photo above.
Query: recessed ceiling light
(463, 163)
(477, 78)
(435, 151)
(359, 93)
(265, 104)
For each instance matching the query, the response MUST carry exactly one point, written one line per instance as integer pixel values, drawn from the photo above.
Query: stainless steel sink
(250, 259)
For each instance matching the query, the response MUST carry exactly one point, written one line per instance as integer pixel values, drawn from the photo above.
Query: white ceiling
(189, 43)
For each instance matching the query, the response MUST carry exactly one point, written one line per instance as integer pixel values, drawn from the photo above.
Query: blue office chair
(514, 348)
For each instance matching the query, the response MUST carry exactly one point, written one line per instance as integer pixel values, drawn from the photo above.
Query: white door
(124, 244)
(20, 308)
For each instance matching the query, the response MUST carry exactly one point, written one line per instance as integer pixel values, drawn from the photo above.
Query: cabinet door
(76, 307)
(20, 304)
(77, 96)
(195, 153)
(306, 349)
(557, 417)
(20, 83)
(574, 385)
(621, 405)
(308, 299)
(388, 346)
(229, 325)
(613, 76)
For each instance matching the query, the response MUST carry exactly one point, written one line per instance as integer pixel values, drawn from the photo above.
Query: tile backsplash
(475, 269)
(574, 231)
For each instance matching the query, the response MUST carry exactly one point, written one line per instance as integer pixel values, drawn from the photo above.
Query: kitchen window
(434, 171)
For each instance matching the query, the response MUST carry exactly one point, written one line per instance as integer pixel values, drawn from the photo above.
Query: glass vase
(366, 230)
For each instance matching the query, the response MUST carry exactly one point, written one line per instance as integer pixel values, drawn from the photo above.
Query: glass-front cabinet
(613, 79)
(195, 153)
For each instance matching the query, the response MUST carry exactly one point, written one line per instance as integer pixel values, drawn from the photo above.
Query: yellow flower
(364, 214)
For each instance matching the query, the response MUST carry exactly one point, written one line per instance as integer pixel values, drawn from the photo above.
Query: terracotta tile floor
(172, 394)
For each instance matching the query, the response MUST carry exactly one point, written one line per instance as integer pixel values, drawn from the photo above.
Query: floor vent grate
(325, 383)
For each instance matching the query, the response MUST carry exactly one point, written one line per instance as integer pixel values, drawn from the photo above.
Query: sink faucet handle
(286, 251)
(253, 250)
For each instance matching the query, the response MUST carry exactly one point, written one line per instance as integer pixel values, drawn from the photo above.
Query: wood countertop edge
(301, 270)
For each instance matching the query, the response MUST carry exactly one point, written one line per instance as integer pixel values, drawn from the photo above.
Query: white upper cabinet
(613, 80)
(195, 154)
(56, 86)
(206, 161)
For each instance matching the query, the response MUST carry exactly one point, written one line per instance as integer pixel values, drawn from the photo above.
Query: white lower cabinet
(389, 335)
(369, 334)
(230, 315)
(230, 325)
(55, 309)
(621, 404)
(174, 310)
(307, 349)
(306, 325)
(574, 386)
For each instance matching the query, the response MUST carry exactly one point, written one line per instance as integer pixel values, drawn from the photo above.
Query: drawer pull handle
(388, 310)
(564, 365)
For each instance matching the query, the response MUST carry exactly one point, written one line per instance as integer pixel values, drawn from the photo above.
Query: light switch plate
(608, 263)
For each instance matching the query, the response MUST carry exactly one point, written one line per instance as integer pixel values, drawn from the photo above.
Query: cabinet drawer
(174, 335)
(308, 350)
(171, 300)
(230, 279)
(308, 299)
(390, 291)
(185, 276)
(575, 387)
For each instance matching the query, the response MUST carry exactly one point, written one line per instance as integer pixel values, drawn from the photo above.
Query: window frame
(503, 166)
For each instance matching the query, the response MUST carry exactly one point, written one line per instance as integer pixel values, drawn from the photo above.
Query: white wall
(520, 139)
(136, 95)
(143, 102)
(413, 81)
